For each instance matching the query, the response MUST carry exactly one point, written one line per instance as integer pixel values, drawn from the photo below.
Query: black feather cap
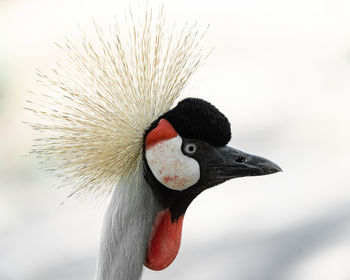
(196, 118)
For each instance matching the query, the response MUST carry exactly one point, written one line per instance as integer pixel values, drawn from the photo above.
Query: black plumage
(196, 118)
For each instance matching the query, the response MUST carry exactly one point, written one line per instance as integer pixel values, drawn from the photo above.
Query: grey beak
(232, 163)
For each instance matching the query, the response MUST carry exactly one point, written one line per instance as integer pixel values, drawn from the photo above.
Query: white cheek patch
(170, 166)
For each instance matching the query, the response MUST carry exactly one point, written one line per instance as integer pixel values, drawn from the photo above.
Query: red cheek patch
(165, 241)
(163, 131)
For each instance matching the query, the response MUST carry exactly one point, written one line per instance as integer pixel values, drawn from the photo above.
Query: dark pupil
(191, 148)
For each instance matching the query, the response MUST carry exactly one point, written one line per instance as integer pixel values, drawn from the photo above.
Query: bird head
(104, 119)
(185, 152)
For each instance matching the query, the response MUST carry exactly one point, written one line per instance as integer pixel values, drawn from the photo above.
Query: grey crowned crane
(107, 124)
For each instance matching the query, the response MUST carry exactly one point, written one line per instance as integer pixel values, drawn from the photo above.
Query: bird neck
(127, 226)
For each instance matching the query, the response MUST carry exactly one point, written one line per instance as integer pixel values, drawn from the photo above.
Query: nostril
(240, 159)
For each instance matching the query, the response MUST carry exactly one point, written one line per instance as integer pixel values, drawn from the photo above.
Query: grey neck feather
(127, 225)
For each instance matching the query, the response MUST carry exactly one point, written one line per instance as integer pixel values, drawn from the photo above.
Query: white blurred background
(280, 71)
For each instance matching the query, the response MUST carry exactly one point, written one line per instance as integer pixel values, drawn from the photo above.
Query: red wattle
(165, 241)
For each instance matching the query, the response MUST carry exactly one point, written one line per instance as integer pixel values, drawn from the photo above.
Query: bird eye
(190, 148)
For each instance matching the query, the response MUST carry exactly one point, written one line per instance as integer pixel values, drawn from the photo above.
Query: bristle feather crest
(95, 107)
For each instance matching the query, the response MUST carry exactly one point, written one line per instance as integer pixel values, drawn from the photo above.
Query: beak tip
(276, 169)
(270, 167)
(279, 169)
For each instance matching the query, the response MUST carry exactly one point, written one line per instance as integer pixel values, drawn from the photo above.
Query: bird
(106, 123)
